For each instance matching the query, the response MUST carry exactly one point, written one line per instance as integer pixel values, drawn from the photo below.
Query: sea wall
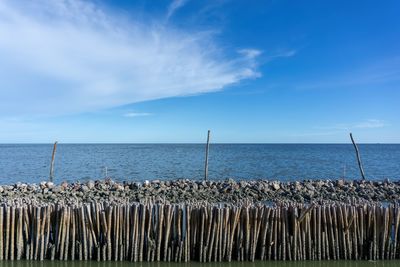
(176, 191)
(199, 231)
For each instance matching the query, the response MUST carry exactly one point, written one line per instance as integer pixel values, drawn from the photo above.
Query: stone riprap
(177, 191)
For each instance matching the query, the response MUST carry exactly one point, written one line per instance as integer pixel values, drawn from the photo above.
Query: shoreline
(183, 190)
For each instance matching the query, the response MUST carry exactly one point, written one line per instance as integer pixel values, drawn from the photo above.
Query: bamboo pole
(1, 233)
(53, 155)
(358, 157)
(7, 233)
(73, 232)
(206, 160)
(264, 231)
(19, 234)
(12, 234)
(43, 215)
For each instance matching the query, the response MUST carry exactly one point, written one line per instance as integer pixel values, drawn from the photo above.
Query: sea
(30, 163)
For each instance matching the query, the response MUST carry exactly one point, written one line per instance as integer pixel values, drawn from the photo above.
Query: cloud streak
(367, 124)
(174, 6)
(136, 114)
(63, 57)
(370, 124)
(384, 72)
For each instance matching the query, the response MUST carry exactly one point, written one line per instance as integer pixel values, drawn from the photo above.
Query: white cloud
(175, 5)
(62, 57)
(284, 53)
(250, 53)
(367, 124)
(370, 124)
(136, 114)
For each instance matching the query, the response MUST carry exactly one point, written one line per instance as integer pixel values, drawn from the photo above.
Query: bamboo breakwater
(199, 232)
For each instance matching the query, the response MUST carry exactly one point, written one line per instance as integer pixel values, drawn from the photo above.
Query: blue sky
(167, 71)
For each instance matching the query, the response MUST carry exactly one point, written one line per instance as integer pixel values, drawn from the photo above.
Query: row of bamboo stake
(199, 231)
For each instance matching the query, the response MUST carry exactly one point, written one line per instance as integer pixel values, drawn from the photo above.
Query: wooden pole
(358, 157)
(206, 164)
(52, 162)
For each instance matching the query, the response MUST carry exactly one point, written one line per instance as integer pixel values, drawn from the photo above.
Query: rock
(243, 184)
(57, 189)
(50, 185)
(310, 187)
(118, 187)
(22, 186)
(84, 188)
(275, 185)
(195, 186)
(90, 184)
(64, 185)
(297, 186)
(43, 185)
(340, 182)
(103, 186)
(30, 187)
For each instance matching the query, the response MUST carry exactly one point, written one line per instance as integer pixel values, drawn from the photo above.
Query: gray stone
(56, 189)
(90, 184)
(49, 185)
(275, 185)
(84, 188)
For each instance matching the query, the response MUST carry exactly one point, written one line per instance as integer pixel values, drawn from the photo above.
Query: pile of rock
(213, 191)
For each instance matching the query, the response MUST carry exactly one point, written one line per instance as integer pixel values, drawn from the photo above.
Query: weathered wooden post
(358, 157)
(206, 164)
(52, 162)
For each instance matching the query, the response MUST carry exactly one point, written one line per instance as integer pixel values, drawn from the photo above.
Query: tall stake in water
(52, 162)
(206, 164)
(358, 157)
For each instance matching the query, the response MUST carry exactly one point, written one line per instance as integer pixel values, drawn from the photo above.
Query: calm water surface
(196, 264)
(137, 162)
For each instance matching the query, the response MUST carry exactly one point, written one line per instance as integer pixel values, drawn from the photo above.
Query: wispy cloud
(312, 134)
(370, 124)
(283, 53)
(250, 53)
(383, 72)
(136, 114)
(367, 124)
(62, 57)
(174, 6)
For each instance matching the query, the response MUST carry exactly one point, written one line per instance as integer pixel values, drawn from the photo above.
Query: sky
(274, 71)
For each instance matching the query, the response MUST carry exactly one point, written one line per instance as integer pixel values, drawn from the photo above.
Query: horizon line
(195, 143)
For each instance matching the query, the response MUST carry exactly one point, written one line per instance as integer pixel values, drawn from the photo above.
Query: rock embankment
(212, 191)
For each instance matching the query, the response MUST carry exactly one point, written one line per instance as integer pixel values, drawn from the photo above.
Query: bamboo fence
(199, 231)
